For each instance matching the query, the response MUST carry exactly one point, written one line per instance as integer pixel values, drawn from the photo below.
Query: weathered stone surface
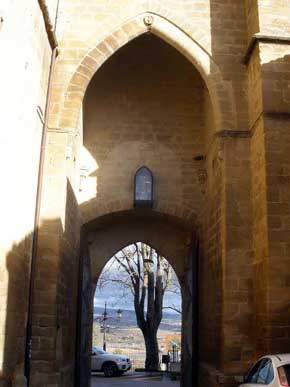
(214, 130)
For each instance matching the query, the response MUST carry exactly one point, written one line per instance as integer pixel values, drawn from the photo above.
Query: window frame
(260, 363)
(143, 203)
(263, 364)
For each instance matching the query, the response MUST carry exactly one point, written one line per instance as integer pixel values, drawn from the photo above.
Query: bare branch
(141, 271)
(131, 275)
(176, 309)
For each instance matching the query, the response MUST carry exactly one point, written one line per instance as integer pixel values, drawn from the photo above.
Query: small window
(253, 374)
(270, 376)
(264, 372)
(261, 373)
(143, 188)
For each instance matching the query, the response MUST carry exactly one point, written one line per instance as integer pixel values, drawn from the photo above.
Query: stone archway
(220, 90)
(174, 238)
(61, 172)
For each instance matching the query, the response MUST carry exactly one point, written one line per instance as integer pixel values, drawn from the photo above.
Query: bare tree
(147, 275)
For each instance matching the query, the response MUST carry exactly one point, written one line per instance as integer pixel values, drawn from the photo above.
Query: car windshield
(99, 351)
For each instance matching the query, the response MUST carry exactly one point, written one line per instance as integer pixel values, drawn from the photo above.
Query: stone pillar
(46, 333)
(237, 266)
(258, 197)
(253, 23)
(189, 288)
(226, 263)
(85, 319)
(275, 74)
(55, 293)
(211, 261)
(269, 70)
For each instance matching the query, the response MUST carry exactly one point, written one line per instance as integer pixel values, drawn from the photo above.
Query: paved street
(98, 380)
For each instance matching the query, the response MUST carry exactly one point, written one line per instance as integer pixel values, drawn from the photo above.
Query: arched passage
(191, 188)
(157, 113)
(139, 280)
(220, 90)
(174, 239)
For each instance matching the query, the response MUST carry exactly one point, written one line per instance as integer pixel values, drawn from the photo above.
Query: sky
(117, 297)
(113, 295)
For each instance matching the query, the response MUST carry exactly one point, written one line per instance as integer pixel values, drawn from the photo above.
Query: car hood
(115, 356)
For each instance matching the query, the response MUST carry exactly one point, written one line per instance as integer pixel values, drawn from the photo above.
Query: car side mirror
(94, 353)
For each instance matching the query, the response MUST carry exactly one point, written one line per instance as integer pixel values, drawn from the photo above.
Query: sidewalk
(143, 380)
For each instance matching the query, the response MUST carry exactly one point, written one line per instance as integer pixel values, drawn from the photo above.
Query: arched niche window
(143, 188)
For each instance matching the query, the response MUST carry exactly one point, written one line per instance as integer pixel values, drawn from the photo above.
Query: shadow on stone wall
(272, 321)
(55, 307)
(17, 267)
(54, 303)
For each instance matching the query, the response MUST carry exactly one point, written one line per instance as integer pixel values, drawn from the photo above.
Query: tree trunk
(152, 352)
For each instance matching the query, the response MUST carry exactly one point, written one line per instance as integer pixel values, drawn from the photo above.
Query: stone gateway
(196, 91)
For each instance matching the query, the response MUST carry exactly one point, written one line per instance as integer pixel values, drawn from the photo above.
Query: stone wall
(211, 236)
(157, 109)
(25, 62)
(237, 277)
(152, 115)
(226, 263)
(269, 77)
(278, 216)
(253, 22)
(55, 299)
(176, 140)
(110, 233)
(80, 32)
(260, 242)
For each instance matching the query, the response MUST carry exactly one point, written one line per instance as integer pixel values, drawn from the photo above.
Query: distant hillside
(170, 322)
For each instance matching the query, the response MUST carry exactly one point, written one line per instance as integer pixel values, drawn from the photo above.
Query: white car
(272, 371)
(110, 364)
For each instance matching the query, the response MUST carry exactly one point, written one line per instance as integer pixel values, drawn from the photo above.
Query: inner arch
(146, 106)
(139, 282)
(172, 237)
(169, 235)
(221, 92)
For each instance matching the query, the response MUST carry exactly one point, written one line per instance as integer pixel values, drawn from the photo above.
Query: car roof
(279, 359)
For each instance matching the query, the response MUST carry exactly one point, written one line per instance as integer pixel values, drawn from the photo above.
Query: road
(98, 380)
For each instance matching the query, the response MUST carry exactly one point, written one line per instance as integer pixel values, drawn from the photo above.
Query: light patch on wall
(88, 178)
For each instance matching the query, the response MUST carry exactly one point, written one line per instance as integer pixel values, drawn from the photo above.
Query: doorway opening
(137, 311)
(171, 238)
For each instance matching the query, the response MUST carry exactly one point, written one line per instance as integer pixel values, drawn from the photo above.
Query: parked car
(110, 364)
(272, 371)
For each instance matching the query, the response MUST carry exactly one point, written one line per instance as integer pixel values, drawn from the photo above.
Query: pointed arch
(170, 235)
(219, 89)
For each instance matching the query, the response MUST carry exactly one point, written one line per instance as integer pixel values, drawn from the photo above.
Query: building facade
(199, 92)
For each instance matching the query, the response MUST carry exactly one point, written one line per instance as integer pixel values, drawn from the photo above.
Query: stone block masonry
(197, 90)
